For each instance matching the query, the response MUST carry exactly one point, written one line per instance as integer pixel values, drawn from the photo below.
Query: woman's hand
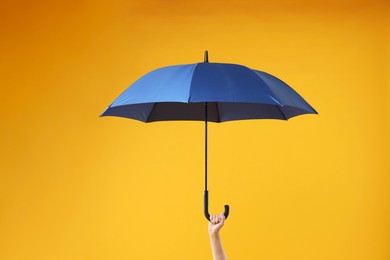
(216, 223)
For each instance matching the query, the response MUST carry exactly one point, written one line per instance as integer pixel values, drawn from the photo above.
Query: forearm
(217, 248)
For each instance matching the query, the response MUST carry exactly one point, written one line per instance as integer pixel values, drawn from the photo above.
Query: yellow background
(76, 186)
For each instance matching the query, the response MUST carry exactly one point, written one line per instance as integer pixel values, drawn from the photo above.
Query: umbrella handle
(206, 206)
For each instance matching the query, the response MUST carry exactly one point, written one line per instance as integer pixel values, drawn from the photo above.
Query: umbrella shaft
(205, 159)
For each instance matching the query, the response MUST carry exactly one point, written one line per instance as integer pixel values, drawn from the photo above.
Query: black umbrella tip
(206, 56)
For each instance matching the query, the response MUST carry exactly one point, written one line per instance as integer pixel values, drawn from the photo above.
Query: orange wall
(76, 186)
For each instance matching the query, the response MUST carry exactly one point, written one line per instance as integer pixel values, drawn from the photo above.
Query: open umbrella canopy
(233, 92)
(216, 92)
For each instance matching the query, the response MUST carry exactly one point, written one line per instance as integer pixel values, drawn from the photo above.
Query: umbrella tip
(206, 56)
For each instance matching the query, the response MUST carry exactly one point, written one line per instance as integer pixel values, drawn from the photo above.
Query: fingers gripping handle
(206, 206)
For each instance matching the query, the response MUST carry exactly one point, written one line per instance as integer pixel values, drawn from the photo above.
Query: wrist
(214, 235)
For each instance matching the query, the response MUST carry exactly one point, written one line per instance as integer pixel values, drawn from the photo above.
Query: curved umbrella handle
(206, 206)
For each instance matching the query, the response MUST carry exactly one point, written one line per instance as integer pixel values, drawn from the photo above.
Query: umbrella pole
(205, 152)
(206, 192)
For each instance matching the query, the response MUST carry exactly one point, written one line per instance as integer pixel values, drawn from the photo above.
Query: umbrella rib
(151, 111)
(280, 110)
(218, 118)
(192, 78)
(265, 84)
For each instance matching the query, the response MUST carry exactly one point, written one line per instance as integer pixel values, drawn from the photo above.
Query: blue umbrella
(215, 92)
